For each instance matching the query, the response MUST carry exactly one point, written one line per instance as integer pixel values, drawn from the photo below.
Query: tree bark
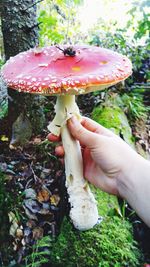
(20, 33)
(19, 26)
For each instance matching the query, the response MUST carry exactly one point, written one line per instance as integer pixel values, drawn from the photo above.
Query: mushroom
(68, 71)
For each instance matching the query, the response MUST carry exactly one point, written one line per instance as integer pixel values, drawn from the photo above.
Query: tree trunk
(20, 32)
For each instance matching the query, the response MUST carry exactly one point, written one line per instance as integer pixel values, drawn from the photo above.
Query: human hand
(107, 159)
(111, 164)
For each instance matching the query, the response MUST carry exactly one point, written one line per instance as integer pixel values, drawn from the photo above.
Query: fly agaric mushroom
(66, 72)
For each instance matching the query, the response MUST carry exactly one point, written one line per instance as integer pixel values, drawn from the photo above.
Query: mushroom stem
(83, 212)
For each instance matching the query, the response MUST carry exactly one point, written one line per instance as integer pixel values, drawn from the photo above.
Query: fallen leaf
(30, 215)
(44, 212)
(23, 242)
(4, 138)
(14, 223)
(30, 193)
(32, 205)
(19, 233)
(31, 224)
(54, 199)
(3, 166)
(37, 141)
(37, 233)
(43, 195)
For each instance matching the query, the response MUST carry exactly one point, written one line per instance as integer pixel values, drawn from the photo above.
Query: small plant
(3, 97)
(40, 253)
(3, 195)
(5, 200)
(3, 109)
(1, 62)
(134, 106)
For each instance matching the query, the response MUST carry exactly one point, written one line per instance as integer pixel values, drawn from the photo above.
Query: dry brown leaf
(54, 199)
(38, 233)
(19, 233)
(43, 195)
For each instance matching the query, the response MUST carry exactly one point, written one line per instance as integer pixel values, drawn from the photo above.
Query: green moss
(105, 202)
(108, 244)
(108, 117)
(113, 117)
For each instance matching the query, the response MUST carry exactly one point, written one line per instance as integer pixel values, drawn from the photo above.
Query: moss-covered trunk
(20, 32)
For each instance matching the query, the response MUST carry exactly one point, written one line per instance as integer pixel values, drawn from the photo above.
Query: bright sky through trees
(109, 11)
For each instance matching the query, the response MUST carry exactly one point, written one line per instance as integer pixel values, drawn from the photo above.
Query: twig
(68, 25)
(35, 25)
(59, 11)
(28, 29)
(33, 5)
(36, 178)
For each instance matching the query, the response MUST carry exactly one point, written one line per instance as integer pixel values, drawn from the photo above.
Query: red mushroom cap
(52, 70)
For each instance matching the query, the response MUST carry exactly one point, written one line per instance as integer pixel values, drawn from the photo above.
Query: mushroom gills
(83, 212)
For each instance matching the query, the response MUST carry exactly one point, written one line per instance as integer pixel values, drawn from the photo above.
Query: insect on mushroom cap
(65, 70)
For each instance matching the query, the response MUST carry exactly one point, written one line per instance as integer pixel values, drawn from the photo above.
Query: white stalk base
(83, 212)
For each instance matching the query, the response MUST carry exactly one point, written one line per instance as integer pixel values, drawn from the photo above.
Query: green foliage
(133, 106)
(5, 203)
(108, 244)
(3, 109)
(132, 40)
(49, 29)
(3, 195)
(58, 23)
(40, 253)
(1, 62)
(119, 42)
(3, 99)
(112, 113)
(9, 201)
(143, 26)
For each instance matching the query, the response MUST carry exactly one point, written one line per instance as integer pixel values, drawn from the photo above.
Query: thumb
(84, 136)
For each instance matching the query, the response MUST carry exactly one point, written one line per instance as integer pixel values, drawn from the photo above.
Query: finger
(95, 127)
(84, 136)
(53, 138)
(59, 151)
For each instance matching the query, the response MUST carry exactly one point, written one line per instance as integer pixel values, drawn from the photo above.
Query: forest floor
(34, 191)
